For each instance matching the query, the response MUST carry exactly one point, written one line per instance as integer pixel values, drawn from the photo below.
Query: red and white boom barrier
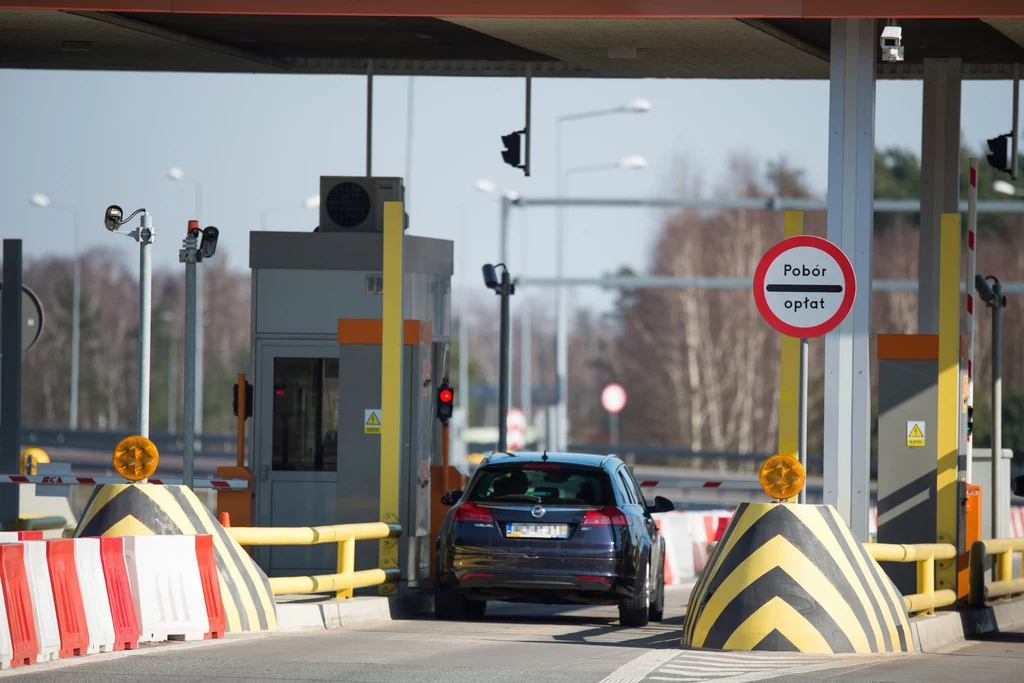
(66, 479)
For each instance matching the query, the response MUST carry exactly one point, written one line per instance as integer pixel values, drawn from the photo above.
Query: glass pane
(305, 414)
(550, 485)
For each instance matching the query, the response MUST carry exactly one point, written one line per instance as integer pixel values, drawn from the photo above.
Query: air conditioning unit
(356, 203)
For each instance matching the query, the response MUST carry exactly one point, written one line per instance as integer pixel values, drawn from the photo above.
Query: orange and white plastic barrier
(167, 587)
(75, 597)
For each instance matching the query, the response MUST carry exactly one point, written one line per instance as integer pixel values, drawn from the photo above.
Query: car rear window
(543, 483)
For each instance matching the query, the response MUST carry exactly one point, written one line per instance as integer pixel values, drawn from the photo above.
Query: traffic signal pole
(503, 362)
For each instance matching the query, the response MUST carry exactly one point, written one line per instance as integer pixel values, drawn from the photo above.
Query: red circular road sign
(804, 286)
(613, 398)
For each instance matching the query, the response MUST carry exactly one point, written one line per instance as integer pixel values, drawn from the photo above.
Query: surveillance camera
(490, 276)
(112, 218)
(892, 44)
(984, 289)
(208, 242)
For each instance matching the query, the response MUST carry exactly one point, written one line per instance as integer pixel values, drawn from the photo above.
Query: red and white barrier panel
(81, 596)
(66, 479)
(725, 485)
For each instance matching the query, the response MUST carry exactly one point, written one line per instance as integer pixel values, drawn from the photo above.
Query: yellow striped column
(789, 367)
(391, 381)
(947, 438)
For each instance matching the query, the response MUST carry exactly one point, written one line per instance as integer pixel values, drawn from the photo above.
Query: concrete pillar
(940, 177)
(851, 169)
(10, 380)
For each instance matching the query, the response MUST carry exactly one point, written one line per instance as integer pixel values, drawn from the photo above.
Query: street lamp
(633, 106)
(312, 202)
(1003, 187)
(633, 162)
(483, 186)
(175, 173)
(43, 202)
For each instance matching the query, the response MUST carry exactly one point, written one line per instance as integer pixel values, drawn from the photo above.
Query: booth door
(296, 448)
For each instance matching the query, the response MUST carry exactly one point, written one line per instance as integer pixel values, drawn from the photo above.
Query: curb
(946, 629)
(312, 613)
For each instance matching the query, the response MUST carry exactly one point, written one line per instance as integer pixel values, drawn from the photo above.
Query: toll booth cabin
(316, 367)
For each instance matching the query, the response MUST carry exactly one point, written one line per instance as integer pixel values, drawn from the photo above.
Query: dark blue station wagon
(551, 528)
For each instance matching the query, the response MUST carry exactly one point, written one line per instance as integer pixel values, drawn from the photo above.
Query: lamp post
(1003, 187)
(483, 186)
(43, 201)
(312, 202)
(177, 174)
(172, 370)
(632, 162)
(635, 106)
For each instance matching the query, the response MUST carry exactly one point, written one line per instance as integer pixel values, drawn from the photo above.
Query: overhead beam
(183, 39)
(579, 9)
(786, 38)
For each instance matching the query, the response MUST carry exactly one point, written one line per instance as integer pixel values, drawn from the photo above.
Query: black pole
(10, 379)
(503, 362)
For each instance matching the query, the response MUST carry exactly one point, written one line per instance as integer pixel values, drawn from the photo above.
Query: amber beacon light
(135, 458)
(782, 477)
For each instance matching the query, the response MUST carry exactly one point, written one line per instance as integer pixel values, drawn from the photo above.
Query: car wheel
(657, 611)
(449, 606)
(635, 612)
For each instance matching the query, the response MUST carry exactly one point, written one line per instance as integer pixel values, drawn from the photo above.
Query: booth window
(306, 414)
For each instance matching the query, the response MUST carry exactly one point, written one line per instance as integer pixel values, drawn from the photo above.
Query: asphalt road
(513, 644)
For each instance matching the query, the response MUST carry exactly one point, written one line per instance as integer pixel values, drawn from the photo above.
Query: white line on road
(637, 669)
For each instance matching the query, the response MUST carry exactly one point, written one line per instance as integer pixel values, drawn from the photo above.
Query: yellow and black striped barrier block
(151, 509)
(792, 578)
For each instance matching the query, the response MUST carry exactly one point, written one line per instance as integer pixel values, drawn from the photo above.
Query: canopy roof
(788, 39)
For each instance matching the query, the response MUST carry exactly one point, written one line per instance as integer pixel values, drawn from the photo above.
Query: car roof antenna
(545, 456)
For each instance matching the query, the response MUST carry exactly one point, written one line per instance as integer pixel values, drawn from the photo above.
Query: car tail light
(477, 575)
(607, 516)
(541, 467)
(471, 512)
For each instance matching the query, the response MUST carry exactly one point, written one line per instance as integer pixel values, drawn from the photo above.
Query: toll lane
(513, 643)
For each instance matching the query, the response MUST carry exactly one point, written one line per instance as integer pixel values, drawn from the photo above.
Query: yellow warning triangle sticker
(373, 420)
(915, 432)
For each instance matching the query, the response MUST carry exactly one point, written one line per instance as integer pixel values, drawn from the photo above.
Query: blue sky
(261, 142)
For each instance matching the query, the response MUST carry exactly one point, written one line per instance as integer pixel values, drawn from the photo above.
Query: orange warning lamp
(135, 458)
(782, 477)
(30, 459)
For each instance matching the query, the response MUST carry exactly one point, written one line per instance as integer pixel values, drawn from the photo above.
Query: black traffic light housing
(999, 156)
(248, 400)
(513, 154)
(445, 402)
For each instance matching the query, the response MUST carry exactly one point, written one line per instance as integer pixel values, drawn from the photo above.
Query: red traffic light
(445, 396)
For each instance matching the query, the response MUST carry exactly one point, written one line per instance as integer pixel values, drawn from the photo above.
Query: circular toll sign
(804, 286)
(613, 398)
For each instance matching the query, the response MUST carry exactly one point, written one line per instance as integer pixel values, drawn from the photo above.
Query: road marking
(713, 666)
(637, 669)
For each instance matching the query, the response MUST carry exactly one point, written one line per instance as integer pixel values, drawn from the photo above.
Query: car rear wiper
(517, 496)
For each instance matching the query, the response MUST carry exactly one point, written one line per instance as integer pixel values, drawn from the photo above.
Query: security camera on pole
(503, 288)
(804, 287)
(195, 248)
(145, 235)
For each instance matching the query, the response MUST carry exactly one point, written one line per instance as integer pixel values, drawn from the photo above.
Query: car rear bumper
(537, 576)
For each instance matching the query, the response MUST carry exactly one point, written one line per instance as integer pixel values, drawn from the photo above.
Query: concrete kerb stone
(947, 629)
(320, 612)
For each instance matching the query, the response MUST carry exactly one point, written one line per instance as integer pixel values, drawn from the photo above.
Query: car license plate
(537, 531)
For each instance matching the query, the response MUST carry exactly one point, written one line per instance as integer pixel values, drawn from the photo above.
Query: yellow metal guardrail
(1004, 585)
(927, 599)
(345, 535)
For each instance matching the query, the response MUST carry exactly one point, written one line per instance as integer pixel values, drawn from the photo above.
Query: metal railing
(926, 600)
(1005, 585)
(345, 535)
